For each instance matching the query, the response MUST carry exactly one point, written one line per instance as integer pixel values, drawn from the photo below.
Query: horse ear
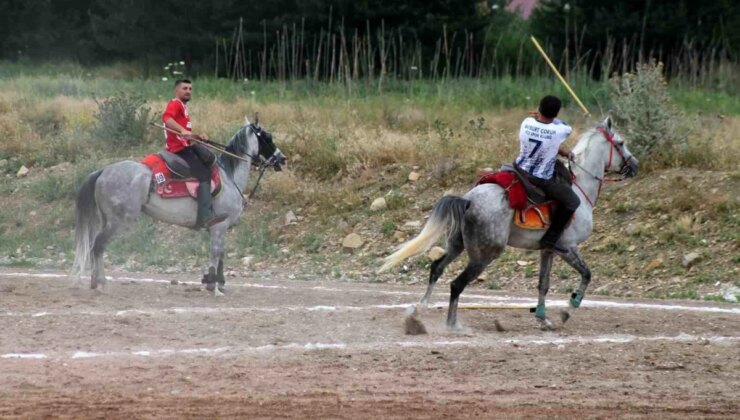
(257, 119)
(246, 120)
(608, 123)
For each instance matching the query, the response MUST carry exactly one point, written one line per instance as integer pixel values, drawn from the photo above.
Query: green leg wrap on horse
(576, 298)
(539, 312)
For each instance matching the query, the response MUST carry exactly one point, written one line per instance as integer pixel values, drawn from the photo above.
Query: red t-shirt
(177, 110)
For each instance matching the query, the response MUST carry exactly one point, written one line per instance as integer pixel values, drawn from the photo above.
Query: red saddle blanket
(167, 187)
(507, 180)
(526, 215)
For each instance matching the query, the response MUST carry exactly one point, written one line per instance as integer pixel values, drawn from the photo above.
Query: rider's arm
(174, 126)
(565, 152)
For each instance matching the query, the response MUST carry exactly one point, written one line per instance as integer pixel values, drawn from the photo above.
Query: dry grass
(332, 139)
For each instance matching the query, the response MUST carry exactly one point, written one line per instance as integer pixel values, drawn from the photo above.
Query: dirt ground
(277, 348)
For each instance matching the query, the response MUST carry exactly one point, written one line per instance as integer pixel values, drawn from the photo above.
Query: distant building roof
(524, 7)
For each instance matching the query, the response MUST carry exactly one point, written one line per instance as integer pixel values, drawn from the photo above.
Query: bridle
(259, 161)
(623, 170)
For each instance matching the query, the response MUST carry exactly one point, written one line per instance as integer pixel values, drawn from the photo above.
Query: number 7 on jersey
(537, 144)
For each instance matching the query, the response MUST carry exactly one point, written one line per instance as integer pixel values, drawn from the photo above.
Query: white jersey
(539, 144)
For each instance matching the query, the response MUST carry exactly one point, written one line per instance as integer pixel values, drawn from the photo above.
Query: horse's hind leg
(102, 239)
(454, 249)
(474, 268)
(575, 260)
(546, 258)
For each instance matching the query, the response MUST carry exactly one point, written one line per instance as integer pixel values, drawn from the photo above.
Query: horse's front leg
(546, 257)
(216, 281)
(575, 260)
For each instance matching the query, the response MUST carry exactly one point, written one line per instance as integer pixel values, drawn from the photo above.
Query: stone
(290, 218)
(343, 226)
(690, 259)
(247, 261)
(416, 224)
(731, 294)
(399, 236)
(653, 264)
(414, 176)
(436, 253)
(522, 263)
(352, 242)
(633, 229)
(379, 204)
(3, 163)
(631, 248)
(23, 171)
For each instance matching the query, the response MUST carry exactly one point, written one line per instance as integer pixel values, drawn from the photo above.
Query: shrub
(122, 119)
(656, 131)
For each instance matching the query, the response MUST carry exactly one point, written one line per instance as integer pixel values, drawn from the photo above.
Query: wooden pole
(557, 73)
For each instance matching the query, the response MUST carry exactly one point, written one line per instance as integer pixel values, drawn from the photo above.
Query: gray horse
(113, 197)
(482, 222)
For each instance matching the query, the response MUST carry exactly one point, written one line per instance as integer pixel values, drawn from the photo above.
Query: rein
(210, 144)
(218, 147)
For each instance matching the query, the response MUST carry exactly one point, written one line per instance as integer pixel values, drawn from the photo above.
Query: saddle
(532, 207)
(172, 177)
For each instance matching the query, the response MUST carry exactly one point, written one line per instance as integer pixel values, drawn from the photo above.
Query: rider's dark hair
(178, 82)
(550, 106)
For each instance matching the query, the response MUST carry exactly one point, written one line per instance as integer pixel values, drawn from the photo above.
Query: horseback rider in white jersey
(541, 138)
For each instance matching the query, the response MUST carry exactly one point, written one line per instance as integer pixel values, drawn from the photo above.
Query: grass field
(348, 146)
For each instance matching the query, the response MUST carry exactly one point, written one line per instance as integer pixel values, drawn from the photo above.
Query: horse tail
(446, 216)
(88, 223)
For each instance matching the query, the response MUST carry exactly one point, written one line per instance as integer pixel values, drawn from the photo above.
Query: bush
(656, 131)
(123, 119)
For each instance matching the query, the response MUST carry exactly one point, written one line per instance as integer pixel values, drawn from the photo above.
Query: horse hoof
(221, 288)
(217, 293)
(211, 286)
(564, 316)
(457, 328)
(546, 325)
(575, 299)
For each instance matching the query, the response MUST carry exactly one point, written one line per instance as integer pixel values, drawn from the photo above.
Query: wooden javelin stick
(490, 307)
(202, 142)
(557, 73)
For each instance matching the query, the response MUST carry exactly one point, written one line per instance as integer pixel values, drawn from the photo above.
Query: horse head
(621, 160)
(268, 152)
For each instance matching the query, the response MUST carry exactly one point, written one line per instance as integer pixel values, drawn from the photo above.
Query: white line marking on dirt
(511, 299)
(486, 342)
(206, 310)
(23, 356)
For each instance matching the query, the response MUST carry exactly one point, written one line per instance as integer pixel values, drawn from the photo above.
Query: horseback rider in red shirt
(200, 160)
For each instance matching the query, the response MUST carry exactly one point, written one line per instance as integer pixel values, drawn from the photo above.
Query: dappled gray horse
(113, 197)
(482, 223)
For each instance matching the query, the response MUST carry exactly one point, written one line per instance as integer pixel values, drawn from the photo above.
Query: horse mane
(238, 146)
(584, 141)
